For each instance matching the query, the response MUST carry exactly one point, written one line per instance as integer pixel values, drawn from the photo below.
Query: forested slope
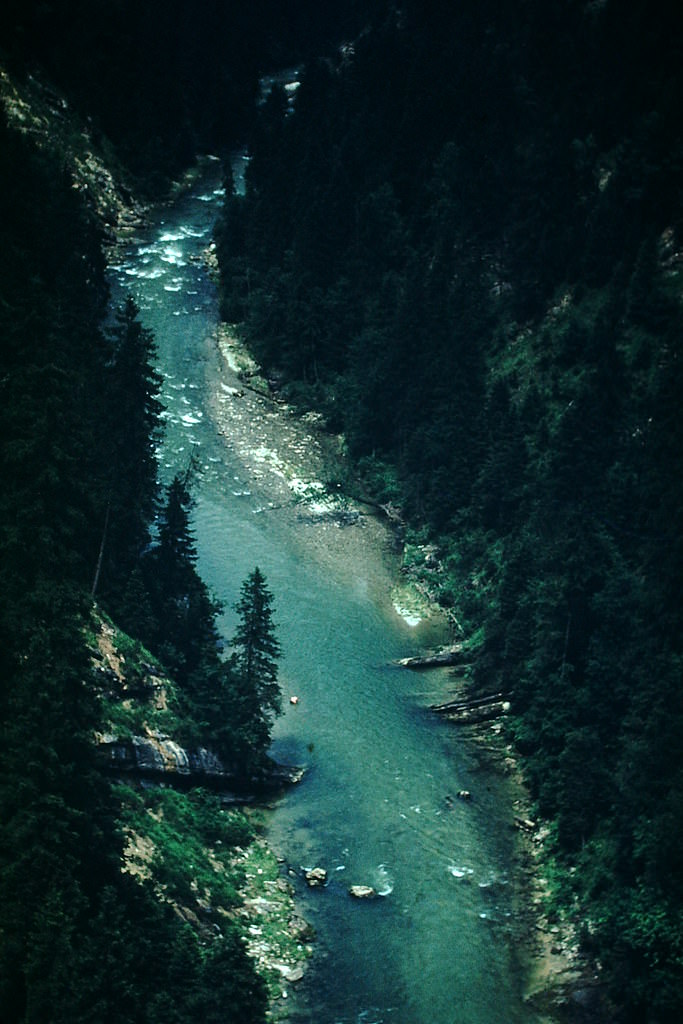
(168, 79)
(101, 885)
(83, 935)
(464, 246)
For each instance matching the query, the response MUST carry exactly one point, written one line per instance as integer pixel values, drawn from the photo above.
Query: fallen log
(458, 704)
(474, 716)
(450, 656)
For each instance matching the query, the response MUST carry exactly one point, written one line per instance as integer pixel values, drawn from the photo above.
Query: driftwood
(458, 704)
(472, 712)
(478, 715)
(450, 656)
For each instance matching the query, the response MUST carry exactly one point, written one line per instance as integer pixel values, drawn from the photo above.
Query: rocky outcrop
(316, 878)
(158, 757)
(35, 108)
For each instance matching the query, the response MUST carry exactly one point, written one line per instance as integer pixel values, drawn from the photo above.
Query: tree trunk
(450, 656)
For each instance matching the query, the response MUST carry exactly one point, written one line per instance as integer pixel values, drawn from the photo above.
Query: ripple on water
(422, 838)
(460, 872)
(383, 881)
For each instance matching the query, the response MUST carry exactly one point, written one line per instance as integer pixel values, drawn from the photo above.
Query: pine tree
(133, 424)
(256, 696)
(183, 608)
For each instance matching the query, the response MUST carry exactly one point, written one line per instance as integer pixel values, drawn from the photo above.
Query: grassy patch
(185, 842)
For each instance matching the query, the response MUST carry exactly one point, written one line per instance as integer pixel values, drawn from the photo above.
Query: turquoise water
(439, 947)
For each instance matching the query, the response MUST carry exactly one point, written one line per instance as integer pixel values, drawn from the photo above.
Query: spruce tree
(183, 608)
(132, 414)
(256, 696)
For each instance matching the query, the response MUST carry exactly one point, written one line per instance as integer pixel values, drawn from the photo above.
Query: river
(440, 946)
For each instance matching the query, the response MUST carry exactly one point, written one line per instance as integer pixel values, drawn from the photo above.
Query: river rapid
(439, 946)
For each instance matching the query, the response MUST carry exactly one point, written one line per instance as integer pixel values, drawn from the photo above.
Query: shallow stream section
(376, 806)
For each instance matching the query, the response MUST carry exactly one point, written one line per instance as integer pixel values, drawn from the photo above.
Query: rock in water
(300, 929)
(293, 974)
(362, 892)
(316, 877)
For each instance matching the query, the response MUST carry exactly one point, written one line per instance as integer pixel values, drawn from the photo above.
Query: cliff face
(139, 720)
(156, 756)
(38, 110)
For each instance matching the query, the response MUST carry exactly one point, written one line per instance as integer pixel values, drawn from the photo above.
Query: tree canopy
(475, 274)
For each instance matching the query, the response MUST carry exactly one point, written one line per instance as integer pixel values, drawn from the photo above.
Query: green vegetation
(474, 273)
(254, 695)
(278, 941)
(184, 842)
(83, 938)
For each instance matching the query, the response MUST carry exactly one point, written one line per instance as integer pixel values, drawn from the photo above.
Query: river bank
(374, 805)
(290, 459)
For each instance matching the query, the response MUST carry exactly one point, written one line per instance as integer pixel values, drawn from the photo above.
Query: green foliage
(183, 629)
(190, 841)
(486, 290)
(255, 696)
(131, 429)
(79, 939)
(484, 294)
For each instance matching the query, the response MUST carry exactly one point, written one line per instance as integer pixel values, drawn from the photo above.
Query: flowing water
(438, 947)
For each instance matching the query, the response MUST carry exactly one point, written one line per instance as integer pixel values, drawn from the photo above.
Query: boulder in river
(290, 973)
(362, 892)
(300, 929)
(316, 877)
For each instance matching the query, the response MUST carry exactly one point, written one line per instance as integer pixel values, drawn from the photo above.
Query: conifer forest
(462, 246)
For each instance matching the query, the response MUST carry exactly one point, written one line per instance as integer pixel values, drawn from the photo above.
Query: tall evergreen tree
(256, 697)
(132, 428)
(185, 629)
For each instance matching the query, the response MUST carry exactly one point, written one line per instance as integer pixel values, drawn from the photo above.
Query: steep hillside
(164, 82)
(475, 272)
(113, 897)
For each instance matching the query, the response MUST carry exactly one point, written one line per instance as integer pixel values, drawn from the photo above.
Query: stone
(300, 929)
(291, 974)
(362, 892)
(316, 877)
